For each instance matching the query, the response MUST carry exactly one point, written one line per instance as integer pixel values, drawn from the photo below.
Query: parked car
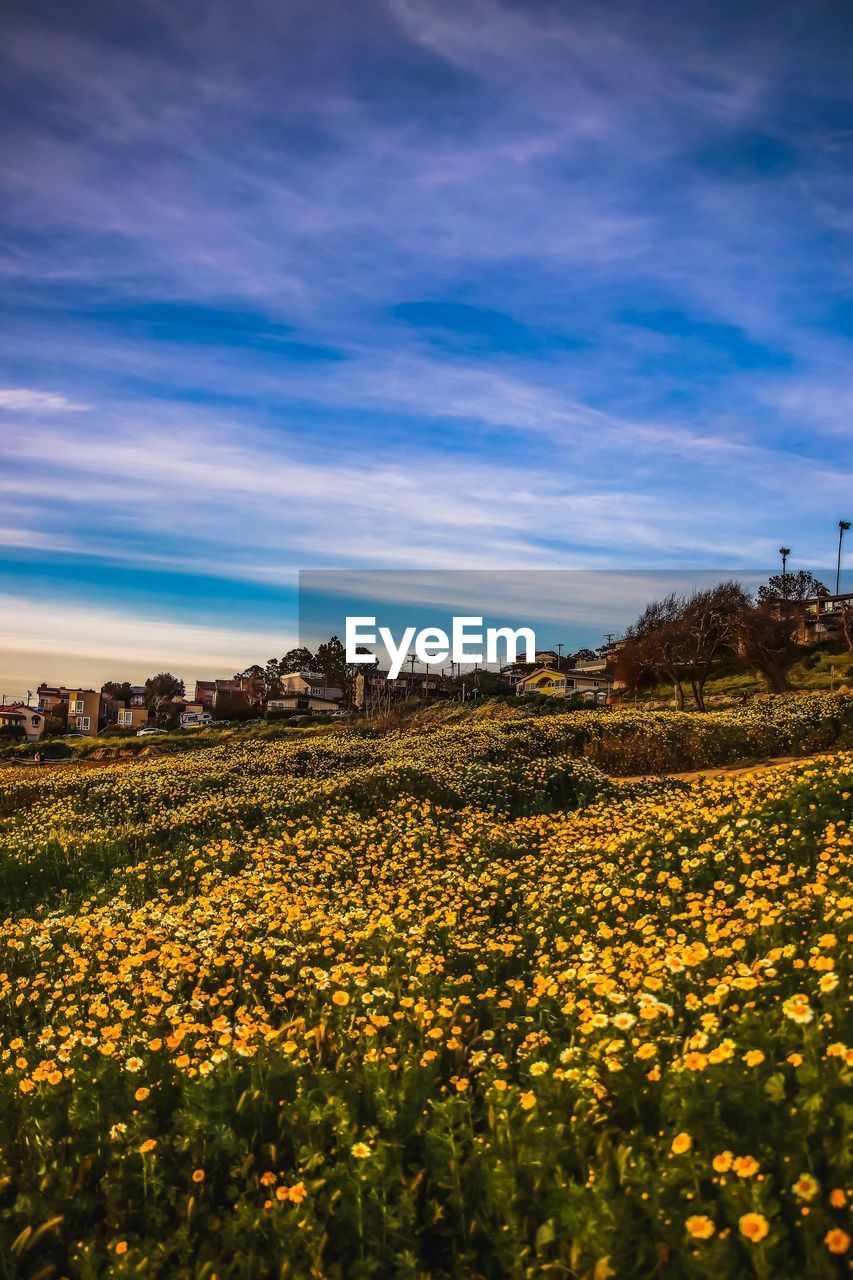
(143, 733)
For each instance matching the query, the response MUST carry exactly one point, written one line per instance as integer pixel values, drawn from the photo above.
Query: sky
(405, 284)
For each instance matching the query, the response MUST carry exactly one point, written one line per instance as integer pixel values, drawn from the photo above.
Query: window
(83, 722)
(35, 721)
(77, 706)
(125, 717)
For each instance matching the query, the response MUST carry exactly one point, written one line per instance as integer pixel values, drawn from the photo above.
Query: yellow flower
(745, 1166)
(148, 1145)
(297, 1193)
(836, 1240)
(55, 1077)
(528, 1100)
(121, 1247)
(806, 1187)
(798, 1009)
(700, 1227)
(340, 998)
(361, 1150)
(723, 1162)
(828, 982)
(281, 1193)
(754, 1226)
(198, 1175)
(753, 1057)
(681, 1142)
(837, 1198)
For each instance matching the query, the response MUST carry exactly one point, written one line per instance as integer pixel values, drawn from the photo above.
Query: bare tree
(708, 623)
(653, 648)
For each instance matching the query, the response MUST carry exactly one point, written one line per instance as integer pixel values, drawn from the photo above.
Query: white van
(195, 719)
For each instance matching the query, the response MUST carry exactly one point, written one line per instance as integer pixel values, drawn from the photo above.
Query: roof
(572, 674)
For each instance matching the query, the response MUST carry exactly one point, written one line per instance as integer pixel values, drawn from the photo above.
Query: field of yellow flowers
(446, 1002)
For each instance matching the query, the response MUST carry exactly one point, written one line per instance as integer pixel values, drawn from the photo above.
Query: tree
(272, 678)
(300, 659)
(159, 692)
(119, 691)
(654, 647)
(795, 587)
(846, 610)
(708, 623)
(766, 643)
(331, 659)
(254, 672)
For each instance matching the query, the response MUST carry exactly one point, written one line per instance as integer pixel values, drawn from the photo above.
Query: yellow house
(84, 711)
(594, 686)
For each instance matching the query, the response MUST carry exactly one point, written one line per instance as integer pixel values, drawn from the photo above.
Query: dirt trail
(730, 770)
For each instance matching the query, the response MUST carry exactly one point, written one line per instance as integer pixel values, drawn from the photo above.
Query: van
(195, 719)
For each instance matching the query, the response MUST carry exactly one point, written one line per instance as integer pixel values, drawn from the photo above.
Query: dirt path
(731, 770)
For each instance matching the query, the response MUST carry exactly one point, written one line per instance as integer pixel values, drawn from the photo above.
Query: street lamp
(784, 552)
(843, 526)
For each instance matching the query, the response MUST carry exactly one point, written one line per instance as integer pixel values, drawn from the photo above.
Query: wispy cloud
(26, 400)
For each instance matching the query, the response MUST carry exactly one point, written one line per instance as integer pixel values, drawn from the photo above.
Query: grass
(813, 672)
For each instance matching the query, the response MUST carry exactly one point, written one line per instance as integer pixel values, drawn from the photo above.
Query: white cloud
(26, 400)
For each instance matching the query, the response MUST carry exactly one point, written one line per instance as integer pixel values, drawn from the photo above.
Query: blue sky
(404, 284)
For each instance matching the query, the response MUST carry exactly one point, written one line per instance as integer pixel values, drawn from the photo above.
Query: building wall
(132, 717)
(84, 719)
(30, 719)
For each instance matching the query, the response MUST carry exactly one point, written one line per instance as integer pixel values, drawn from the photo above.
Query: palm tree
(843, 526)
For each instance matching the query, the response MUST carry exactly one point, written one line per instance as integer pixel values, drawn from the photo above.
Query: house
(205, 692)
(84, 711)
(242, 693)
(516, 671)
(52, 699)
(820, 618)
(594, 686)
(19, 715)
(129, 716)
(311, 683)
(305, 691)
(302, 702)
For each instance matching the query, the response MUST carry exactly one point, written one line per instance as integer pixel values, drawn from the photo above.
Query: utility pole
(843, 526)
(560, 655)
